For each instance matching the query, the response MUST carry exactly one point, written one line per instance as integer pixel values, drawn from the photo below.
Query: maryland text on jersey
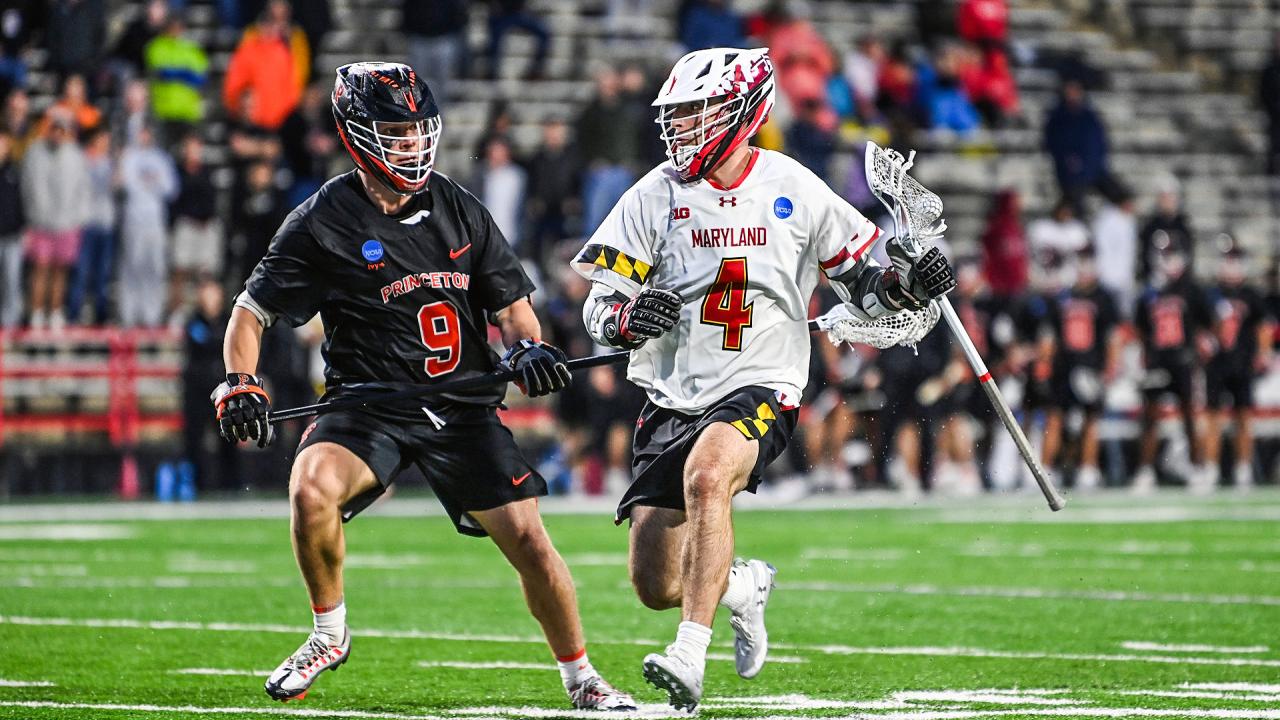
(729, 237)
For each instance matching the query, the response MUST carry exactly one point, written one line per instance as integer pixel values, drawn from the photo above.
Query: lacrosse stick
(917, 219)
(837, 324)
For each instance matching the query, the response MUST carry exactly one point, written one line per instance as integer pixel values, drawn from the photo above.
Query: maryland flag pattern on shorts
(755, 427)
(619, 262)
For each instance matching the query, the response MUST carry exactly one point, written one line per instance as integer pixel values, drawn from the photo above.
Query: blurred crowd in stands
(110, 215)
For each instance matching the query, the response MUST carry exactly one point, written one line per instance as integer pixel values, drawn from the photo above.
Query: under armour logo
(728, 200)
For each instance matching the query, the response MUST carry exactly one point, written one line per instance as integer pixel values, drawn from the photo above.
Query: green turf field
(1166, 607)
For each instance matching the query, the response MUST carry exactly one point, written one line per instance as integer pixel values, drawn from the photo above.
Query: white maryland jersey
(745, 258)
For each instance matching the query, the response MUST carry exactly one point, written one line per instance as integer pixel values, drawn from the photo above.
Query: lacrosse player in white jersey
(704, 270)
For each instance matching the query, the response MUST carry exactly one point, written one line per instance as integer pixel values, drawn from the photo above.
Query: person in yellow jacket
(177, 68)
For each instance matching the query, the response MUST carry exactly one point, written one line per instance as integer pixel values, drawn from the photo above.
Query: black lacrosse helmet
(388, 122)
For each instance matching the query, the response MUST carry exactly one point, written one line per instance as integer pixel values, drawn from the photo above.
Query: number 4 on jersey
(726, 302)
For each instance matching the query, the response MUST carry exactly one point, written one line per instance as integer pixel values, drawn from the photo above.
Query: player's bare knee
(314, 484)
(707, 481)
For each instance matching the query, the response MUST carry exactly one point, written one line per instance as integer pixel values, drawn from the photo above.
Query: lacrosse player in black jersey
(1241, 338)
(406, 275)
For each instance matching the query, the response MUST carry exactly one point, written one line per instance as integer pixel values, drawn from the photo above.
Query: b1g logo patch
(373, 252)
(783, 208)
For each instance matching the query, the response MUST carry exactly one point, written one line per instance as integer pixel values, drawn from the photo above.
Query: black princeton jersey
(1082, 322)
(1168, 320)
(403, 298)
(1237, 312)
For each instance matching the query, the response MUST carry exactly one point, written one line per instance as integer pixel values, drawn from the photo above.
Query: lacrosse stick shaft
(497, 377)
(475, 383)
(1051, 494)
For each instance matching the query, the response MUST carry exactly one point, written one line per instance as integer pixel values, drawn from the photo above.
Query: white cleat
(672, 673)
(596, 694)
(1144, 481)
(293, 678)
(1088, 478)
(750, 639)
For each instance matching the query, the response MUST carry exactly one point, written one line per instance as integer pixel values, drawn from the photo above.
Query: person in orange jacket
(273, 61)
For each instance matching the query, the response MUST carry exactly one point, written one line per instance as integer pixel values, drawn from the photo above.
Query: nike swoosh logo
(455, 254)
(517, 480)
(416, 218)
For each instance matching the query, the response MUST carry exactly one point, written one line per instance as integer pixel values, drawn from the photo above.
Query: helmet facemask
(693, 131)
(698, 134)
(401, 154)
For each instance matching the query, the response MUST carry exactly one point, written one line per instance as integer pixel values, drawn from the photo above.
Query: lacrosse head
(907, 327)
(916, 211)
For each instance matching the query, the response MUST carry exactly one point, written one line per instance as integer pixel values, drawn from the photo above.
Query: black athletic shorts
(472, 462)
(1224, 380)
(1171, 378)
(1078, 386)
(664, 438)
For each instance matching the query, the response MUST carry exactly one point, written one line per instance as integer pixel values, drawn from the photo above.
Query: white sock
(575, 669)
(692, 641)
(332, 624)
(738, 594)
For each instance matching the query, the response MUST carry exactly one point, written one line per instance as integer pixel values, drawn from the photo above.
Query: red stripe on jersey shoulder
(862, 249)
(839, 258)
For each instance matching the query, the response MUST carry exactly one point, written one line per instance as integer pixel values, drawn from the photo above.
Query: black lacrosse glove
(648, 315)
(539, 367)
(912, 282)
(242, 408)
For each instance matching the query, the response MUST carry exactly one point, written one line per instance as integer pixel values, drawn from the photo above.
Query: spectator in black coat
(608, 136)
(506, 15)
(309, 143)
(257, 212)
(212, 460)
(197, 238)
(77, 29)
(130, 50)
(554, 171)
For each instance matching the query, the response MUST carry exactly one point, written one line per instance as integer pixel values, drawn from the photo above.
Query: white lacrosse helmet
(713, 101)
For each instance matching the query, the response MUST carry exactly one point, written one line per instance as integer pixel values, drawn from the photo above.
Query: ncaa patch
(783, 208)
(371, 250)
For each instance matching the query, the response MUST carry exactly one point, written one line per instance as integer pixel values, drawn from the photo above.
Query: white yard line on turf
(773, 658)
(1082, 712)
(656, 712)
(1011, 654)
(209, 566)
(1035, 593)
(596, 559)
(59, 570)
(1170, 507)
(846, 554)
(74, 531)
(217, 671)
(26, 683)
(465, 637)
(495, 665)
(1161, 647)
(1242, 687)
(647, 711)
(1199, 695)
